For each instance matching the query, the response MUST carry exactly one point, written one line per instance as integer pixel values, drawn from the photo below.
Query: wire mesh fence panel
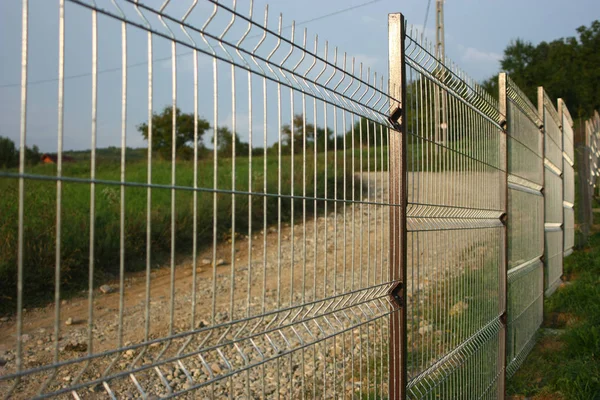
(244, 253)
(568, 178)
(525, 221)
(553, 192)
(259, 215)
(455, 241)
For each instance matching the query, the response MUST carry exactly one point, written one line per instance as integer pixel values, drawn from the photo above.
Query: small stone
(76, 347)
(40, 342)
(63, 303)
(129, 353)
(95, 388)
(106, 289)
(25, 338)
(216, 368)
(206, 261)
(202, 324)
(67, 378)
(220, 262)
(69, 321)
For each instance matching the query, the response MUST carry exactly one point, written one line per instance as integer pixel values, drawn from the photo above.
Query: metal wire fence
(587, 170)
(297, 225)
(525, 221)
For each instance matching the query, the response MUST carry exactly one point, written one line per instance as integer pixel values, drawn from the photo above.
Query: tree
(566, 67)
(162, 133)
(367, 132)
(9, 156)
(225, 140)
(32, 155)
(302, 130)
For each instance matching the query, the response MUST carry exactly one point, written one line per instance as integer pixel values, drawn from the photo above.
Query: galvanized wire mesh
(553, 192)
(587, 153)
(283, 289)
(455, 234)
(322, 233)
(525, 221)
(568, 178)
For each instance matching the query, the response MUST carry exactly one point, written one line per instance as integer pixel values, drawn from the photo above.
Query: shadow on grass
(565, 364)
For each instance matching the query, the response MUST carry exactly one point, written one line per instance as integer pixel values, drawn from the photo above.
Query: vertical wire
(292, 239)
(250, 198)
(344, 260)
(149, 195)
(92, 184)
(360, 274)
(335, 241)
(123, 146)
(195, 196)
(352, 255)
(23, 143)
(215, 198)
(292, 192)
(233, 178)
(315, 215)
(173, 183)
(61, 88)
(264, 277)
(326, 217)
(304, 254)
(233, 186)
(279, 253)
(215, 186)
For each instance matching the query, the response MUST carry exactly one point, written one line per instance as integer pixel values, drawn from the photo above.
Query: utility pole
(441, 97)
(440, 49)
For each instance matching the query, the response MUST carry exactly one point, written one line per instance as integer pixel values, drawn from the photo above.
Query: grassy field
(40, 215)
(565, 364)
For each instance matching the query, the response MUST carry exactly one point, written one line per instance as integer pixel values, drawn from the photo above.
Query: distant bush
(9, 154)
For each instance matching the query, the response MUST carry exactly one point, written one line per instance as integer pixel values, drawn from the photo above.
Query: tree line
(9, 154)
(297, 136)
(566, 67)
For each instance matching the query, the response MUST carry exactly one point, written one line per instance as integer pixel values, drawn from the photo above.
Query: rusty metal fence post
(398, 196)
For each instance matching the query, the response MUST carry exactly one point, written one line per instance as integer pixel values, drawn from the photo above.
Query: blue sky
(476, 34)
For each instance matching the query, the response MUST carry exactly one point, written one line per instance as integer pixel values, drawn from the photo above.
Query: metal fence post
(398, 197)
(503, 270)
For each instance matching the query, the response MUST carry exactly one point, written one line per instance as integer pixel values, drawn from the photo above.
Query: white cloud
(471, 54)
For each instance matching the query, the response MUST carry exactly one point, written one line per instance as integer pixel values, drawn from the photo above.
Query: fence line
(588, 167)
(341, 237)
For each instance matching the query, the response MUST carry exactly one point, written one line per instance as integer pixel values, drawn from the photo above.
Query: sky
(477, 31)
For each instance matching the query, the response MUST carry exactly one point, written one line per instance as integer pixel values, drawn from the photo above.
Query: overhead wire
(426, 17)
(139, 64)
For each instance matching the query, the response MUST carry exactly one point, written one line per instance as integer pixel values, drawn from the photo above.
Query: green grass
(567, 365)
(39, 245)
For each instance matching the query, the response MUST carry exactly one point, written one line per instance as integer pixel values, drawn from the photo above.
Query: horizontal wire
(183, 188)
